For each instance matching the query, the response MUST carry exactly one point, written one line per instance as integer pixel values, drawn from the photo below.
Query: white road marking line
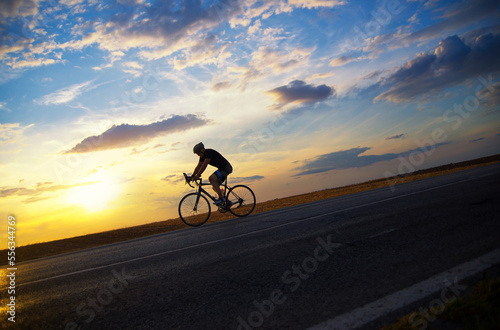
(239, 235)
(372, 311)
(383, 233)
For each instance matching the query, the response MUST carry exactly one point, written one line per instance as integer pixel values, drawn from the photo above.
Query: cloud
(309, 4)
(136, 151)
(173, 178)
(126, 135)
(221, 85)
(12, 44)
(298, 91)
(279, 60)
(203, 52)
(103, 167)
(133, 68)
(11, 135)
(244, 179)
(490, 96)
(13, 8)
(341, 160)
(477, 140)
(454, 18)
(162, 29)
(3, 107)
(66, 94)
(396, 137)
(351, 158)
(35, 200)
(39, 189)
(267, 60)
(156, 29)
(254, 28)
(342, 60)
(381, 43)
(131, 2)
(32, 63)
(452, 62)
(266, 9)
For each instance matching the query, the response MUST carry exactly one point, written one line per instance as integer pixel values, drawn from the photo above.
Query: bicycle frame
(200, 189)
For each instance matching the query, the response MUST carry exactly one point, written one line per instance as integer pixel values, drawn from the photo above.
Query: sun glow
(95, 197)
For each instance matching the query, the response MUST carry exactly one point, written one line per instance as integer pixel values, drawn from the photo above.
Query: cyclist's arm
(196, 169)
(200, 169)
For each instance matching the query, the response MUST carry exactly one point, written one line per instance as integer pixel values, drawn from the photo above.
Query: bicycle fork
(195, 209)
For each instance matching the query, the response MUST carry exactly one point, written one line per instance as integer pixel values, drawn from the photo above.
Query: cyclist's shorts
(222, 174)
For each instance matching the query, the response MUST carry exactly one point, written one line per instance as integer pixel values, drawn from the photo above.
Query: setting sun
(94, 197)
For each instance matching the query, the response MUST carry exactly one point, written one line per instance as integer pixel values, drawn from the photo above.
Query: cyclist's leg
(225, 173)
(216, 179)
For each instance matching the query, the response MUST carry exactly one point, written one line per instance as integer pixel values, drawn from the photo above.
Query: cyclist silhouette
(212, 157)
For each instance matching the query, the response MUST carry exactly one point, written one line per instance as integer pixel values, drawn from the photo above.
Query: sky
(101, 102)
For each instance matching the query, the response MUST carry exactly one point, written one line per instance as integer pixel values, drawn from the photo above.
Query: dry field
(40, 250)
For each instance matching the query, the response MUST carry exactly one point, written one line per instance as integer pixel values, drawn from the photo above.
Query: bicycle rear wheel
(194, 209)
(241, 200)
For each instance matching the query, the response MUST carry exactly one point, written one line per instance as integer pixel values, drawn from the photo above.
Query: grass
(479, 310)
(39, 250)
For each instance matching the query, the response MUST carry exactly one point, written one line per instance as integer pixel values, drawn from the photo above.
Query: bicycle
(194, 208)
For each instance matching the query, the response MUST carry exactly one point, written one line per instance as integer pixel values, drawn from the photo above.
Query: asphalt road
(286, 269)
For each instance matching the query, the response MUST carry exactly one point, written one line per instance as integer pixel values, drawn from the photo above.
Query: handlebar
(189, 179)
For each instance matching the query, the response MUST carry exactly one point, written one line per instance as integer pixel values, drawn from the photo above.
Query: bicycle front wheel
(194, 209)
(241, 200)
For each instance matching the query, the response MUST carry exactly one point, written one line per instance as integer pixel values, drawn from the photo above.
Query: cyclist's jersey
(216, 159)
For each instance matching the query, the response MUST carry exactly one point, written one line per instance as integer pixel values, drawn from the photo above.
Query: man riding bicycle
(212, 157)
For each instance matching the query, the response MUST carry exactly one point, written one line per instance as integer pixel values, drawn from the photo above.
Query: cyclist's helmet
(197, 148)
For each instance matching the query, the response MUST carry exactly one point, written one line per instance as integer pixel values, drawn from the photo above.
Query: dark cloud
(126, 135)
(299, 92)
(454, 18)
(396, 137)
(341, 160)
(452, 62)
(478, 139)
(244, 179)
(12, 8)
(351, 158)
(179, 19)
